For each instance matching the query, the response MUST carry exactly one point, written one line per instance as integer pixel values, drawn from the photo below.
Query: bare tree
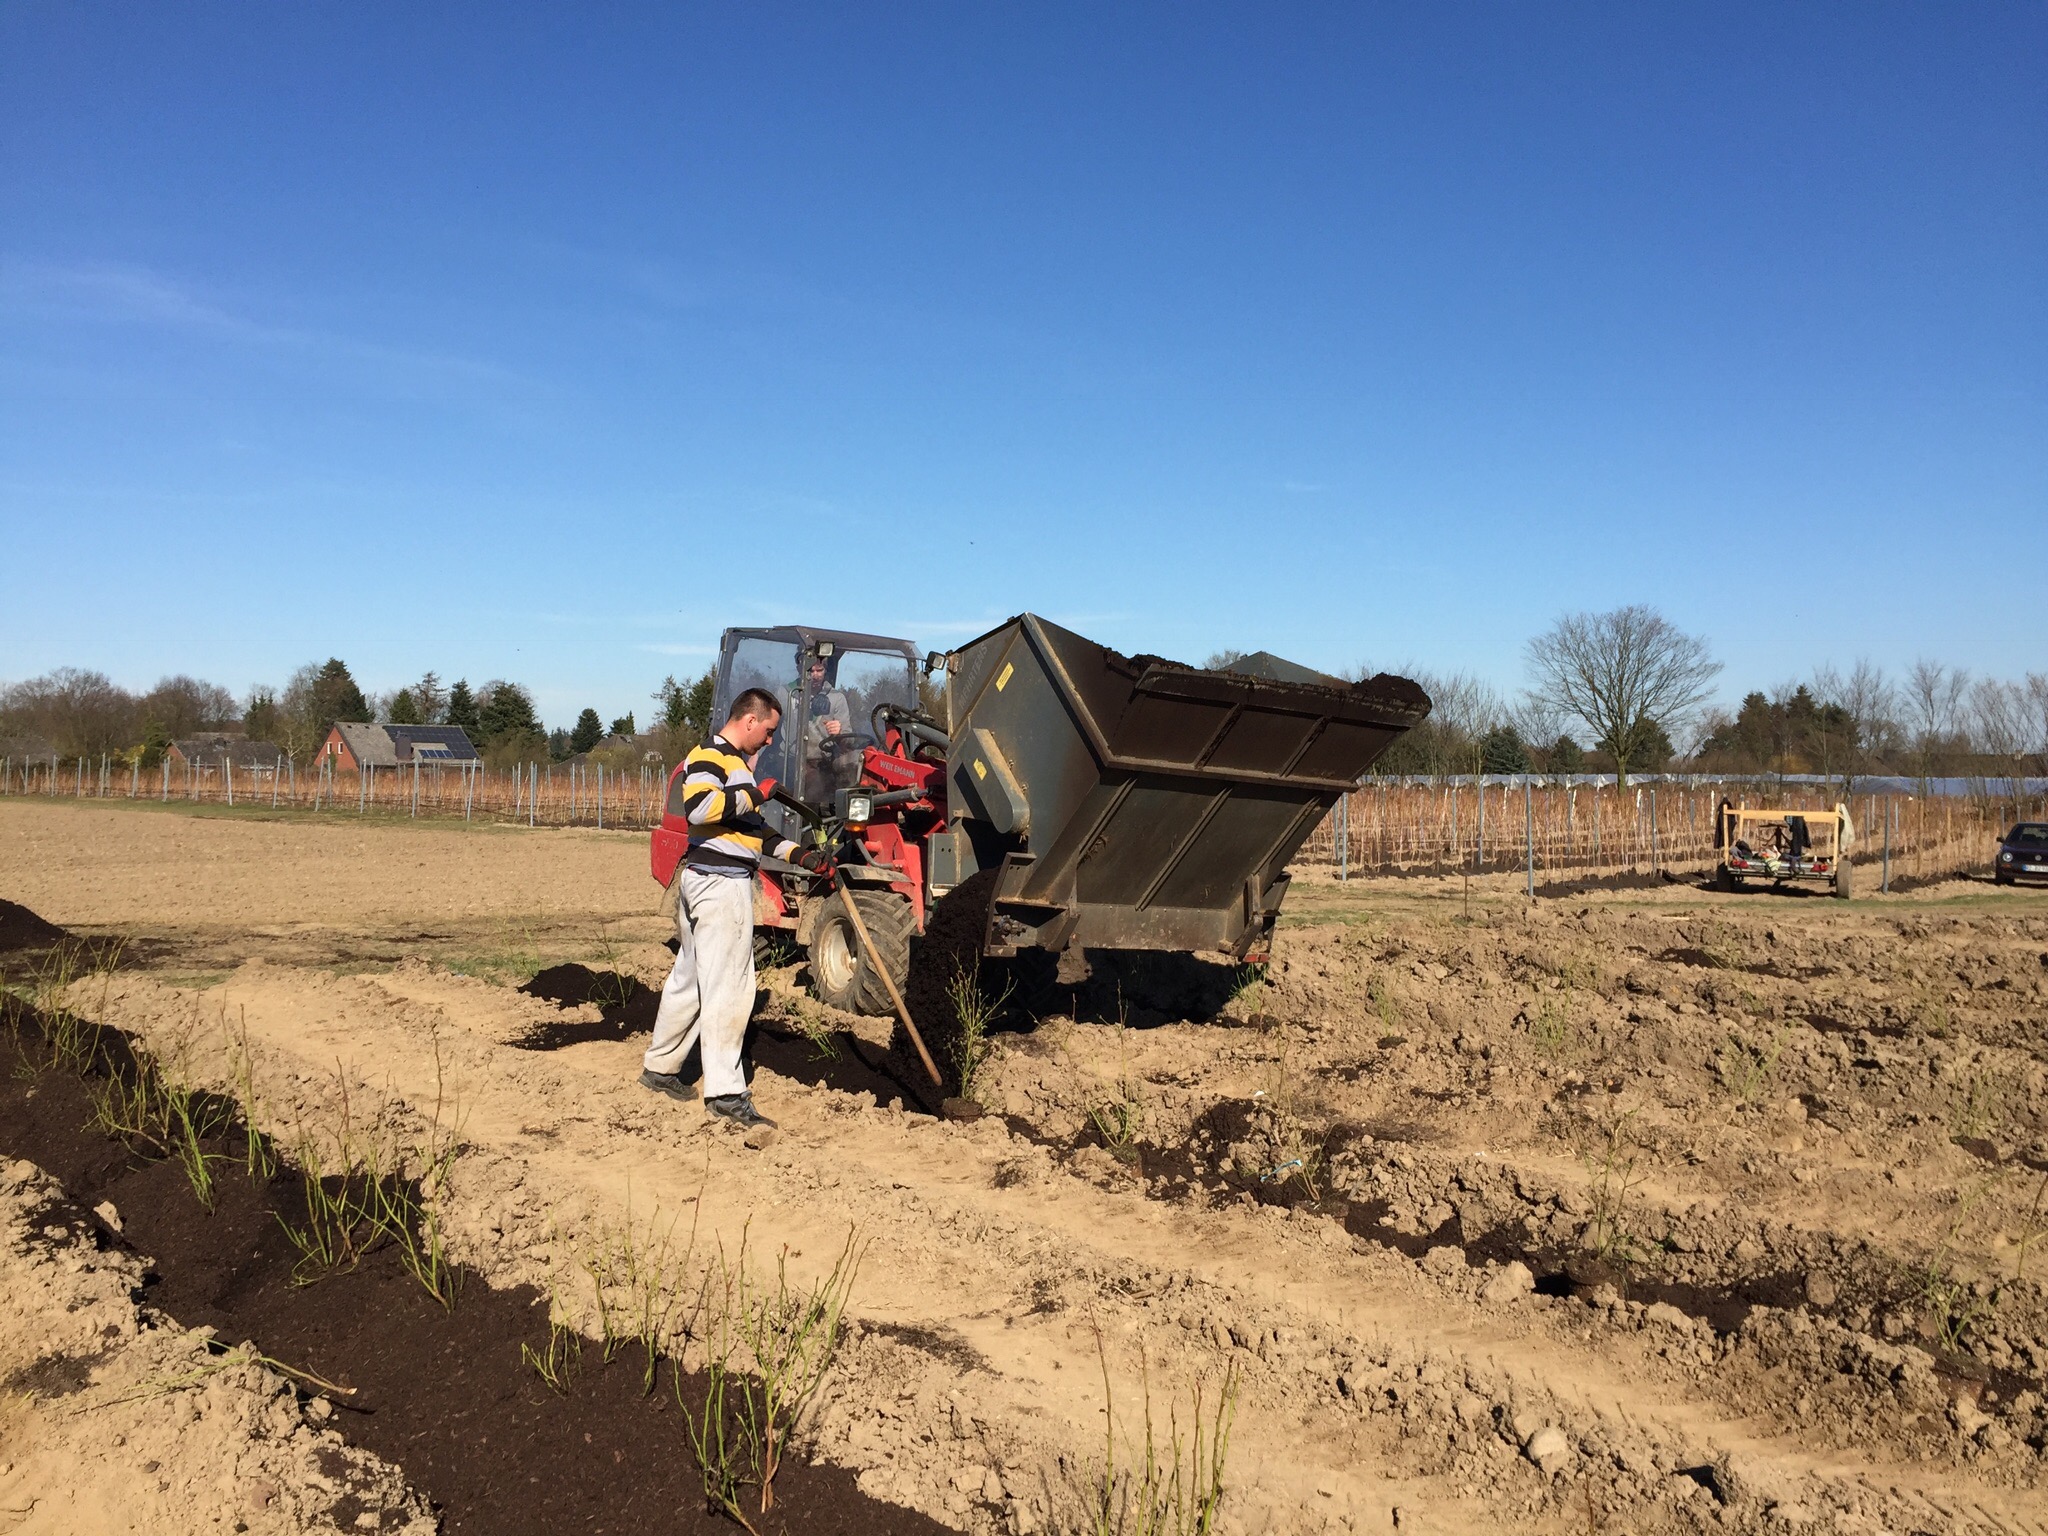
(2002, 722)
(1537, 721)
(1463, 708)
(1870, 701)
(185, 706)
(79, 713)
(2037, 704)
(1627, 674)
(1933, 697)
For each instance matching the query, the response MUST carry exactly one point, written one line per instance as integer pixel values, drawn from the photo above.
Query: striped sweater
(722, 804)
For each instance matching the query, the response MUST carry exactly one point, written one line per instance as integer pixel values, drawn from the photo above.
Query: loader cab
(820, 675)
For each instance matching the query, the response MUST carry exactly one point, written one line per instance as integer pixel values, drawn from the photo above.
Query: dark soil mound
(628, 1006)
(444, 1395)
(1627, 880)
(22, 929)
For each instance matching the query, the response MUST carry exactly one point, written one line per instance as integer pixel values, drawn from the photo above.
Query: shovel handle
(860, 927)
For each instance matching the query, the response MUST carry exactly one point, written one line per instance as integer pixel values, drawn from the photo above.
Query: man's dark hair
(758, 703)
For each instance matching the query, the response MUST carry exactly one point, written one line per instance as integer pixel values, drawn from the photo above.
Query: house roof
(370, 745)
(239, 750)
(432, 743)
(387, 746)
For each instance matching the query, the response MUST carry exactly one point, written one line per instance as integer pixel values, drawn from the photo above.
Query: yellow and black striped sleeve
(722, 803)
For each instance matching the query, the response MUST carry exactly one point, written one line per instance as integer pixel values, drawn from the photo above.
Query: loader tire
(841, 973)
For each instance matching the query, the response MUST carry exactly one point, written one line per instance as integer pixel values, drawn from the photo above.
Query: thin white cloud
(1301, 487)
(118, 293)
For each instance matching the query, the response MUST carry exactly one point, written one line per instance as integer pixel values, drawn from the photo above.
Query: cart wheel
(1724, 878)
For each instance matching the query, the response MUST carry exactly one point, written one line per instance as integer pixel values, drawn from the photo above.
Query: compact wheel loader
(1102, 801)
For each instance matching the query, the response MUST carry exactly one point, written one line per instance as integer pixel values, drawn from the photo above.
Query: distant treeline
(1619, 692)
(77, 713)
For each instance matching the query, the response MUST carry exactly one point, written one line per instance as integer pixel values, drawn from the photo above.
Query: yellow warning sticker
(1004, 678)
(980, 769)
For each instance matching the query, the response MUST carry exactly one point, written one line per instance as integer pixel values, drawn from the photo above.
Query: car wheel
(1724, 878)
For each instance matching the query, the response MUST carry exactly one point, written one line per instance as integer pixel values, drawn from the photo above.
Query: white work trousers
(709, 994)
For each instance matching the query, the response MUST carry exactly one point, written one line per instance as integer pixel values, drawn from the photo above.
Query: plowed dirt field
(1653, 1210)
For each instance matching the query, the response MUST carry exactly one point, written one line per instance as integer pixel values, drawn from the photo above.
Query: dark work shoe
(739, 1109)
(670, 1083)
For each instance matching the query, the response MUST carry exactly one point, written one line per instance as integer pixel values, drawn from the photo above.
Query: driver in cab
(828, 716)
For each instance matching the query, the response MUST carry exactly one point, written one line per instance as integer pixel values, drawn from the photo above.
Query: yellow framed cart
(1785, 848)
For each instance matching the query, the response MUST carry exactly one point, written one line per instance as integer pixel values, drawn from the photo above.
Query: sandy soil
(1776, 1161)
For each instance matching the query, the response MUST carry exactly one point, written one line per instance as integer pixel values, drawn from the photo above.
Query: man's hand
(832, 727)
(816, 860)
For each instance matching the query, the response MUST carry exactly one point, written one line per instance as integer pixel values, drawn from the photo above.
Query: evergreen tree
(262, 720)
(403, 710)
(686, 708)
(506, 713)
(462, 710)
(1652, 750)
(588, 733)
(1501, 751)
(336, 696)
(623, 726)
(156, 741)
(1566, 755)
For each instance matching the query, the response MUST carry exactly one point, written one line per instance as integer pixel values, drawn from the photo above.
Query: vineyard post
(1529, 831)
(415, 788)
(1343, 826)
(362, 788)
(1885, 884)
(1479, 843)
(535, 770)
(167, 781)
(1653, 829)
(600, 797)
(468, 790)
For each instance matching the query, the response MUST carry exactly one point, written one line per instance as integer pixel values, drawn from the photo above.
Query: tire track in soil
(442, 1394)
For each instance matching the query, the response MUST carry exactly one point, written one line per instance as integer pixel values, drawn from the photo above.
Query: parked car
(2022, 854)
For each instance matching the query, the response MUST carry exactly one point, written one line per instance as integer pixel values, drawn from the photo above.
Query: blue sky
(545, 343)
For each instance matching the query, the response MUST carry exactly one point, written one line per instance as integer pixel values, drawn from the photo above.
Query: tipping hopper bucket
(1131, 802)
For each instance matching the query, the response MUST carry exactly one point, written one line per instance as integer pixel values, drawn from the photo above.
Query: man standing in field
(709, 994)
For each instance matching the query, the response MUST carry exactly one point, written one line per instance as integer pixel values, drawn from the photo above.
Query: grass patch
(769, 1345)
(1154, 1484)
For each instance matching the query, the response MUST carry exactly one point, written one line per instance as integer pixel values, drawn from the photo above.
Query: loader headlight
(856, 805)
